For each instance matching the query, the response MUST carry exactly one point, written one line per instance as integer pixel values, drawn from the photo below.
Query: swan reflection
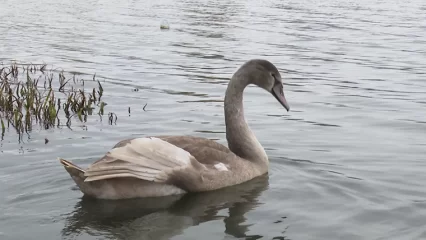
(165, 217)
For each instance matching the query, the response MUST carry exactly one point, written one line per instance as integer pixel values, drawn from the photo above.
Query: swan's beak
(278, 93)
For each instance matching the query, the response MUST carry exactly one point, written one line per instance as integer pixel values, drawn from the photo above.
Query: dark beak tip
(287, 107)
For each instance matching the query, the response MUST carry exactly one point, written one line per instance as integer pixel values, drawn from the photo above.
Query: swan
(155, 166)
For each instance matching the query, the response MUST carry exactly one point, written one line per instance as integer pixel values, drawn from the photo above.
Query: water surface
(347, 162)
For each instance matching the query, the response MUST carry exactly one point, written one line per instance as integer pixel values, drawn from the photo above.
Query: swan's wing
(206, 151)
(147, 158)
(198, 147)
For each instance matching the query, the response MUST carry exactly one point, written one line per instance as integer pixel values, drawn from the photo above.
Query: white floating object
(164, 25)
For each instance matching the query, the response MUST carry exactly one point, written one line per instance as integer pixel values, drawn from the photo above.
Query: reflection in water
(163, 218)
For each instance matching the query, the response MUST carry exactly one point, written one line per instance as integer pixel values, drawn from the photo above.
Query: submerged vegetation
(31, 95)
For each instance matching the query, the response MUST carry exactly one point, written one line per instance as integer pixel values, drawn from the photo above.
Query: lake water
(347, 162)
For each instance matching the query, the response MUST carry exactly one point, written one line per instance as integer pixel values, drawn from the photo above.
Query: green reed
(30, 94)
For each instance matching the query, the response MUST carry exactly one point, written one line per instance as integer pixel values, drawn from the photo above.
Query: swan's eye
(273, 75)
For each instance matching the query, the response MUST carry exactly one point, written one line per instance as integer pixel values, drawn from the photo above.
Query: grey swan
(155, 166)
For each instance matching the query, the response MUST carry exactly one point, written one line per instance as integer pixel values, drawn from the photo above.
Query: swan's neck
(240, 138)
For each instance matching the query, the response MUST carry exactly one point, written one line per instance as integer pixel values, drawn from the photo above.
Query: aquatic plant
(32, 95)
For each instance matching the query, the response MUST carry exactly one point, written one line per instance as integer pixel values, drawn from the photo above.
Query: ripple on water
(346, 161)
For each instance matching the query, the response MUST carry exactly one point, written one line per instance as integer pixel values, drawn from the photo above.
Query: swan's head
(265, 75)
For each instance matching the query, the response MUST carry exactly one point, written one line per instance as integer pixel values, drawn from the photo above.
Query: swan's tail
(77, 174)
(71, 168)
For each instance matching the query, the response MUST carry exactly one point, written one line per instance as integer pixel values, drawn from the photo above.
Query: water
(347, 162)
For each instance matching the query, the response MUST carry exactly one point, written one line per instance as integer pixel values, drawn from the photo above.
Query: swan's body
(167, 165)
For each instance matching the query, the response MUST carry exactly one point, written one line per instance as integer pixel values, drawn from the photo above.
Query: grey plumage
(166, 165)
